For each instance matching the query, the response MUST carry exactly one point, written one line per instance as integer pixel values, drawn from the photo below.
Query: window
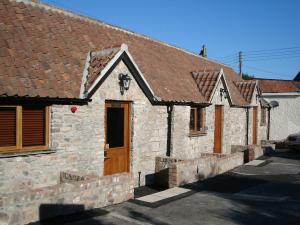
(263, 117)
(24, 128)
(197, 121)
(115, 127)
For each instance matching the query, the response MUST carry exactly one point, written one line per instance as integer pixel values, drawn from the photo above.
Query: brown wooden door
(117, 127)
(254, 134)
(218, 128)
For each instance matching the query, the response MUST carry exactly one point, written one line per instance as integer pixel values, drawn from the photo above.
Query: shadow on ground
(49, 214)
(251, 212)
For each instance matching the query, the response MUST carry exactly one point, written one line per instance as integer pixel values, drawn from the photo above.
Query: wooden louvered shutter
(33, 126)
(8, 126)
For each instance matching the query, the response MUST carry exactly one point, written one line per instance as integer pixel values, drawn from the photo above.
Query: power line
(272, 58)
(274, 49)
(266, 71)
(274, 53)
(291, 51)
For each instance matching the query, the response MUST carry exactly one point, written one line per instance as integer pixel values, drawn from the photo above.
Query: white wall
(285, 119)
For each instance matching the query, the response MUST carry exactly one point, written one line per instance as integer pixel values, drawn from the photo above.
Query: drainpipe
(247, 126)
(169, 134)
(269, 119)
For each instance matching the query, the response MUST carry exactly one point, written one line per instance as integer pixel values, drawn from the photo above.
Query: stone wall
(148, 124)
(176, 171)
(77, 140)
(262, 128)
(32, 205)
(234, 129)
(250, 152)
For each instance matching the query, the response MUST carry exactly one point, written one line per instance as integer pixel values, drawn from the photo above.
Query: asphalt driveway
(266, 194)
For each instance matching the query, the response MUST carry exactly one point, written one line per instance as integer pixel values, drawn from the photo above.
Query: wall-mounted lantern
(124, 81)
(224, 93)
(257, 97)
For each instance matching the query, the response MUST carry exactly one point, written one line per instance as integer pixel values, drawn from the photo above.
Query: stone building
(84, 100)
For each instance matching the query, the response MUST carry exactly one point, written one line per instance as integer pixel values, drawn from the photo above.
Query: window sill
(263, 124)
(17, 154)
(197, 134)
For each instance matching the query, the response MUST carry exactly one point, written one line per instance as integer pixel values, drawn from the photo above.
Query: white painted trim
(85, 75)
(281, 94)
(221, 75)
(105, 69)
(257, 91)
(227, 87)
(124, 49)
(141, 74)
(216, 86)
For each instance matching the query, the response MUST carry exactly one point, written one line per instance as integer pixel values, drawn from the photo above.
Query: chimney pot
(203, 51)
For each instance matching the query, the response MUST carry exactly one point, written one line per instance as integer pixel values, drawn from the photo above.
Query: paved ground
(266, 194)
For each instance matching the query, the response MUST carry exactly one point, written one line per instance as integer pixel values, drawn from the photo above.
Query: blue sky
(267, 31)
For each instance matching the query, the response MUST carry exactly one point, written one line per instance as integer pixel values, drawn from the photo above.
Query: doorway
(117, 136)
(218, 129)
(254, 134)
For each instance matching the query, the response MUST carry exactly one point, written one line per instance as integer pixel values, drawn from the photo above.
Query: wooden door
(117, 136)
(254, 131)
(218, 128)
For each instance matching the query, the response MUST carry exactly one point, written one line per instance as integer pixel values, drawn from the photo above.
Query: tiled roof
(206, 82)
(97, 63)
(277, 86)
(43, 51)
(246, 89)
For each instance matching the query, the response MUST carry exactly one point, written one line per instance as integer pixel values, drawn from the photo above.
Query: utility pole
(240, 62)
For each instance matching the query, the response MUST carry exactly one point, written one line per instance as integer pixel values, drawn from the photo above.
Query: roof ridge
(257, 78)
(94, 20)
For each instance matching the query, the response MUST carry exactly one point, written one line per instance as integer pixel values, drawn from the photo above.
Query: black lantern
(224, 93)
(257, 97)
(124, 81)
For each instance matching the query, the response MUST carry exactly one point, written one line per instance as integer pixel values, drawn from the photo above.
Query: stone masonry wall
(32, 205)
(234, 129)
(183, 171)
(74, 149)
(148, 126)
(77, 139)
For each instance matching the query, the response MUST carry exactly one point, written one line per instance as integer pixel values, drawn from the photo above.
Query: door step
(163, 197)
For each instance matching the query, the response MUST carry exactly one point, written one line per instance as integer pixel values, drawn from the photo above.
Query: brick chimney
(203, 51)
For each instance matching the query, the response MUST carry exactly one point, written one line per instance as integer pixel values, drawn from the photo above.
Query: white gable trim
(140, 73)
(84, 75)
(216, 86)
(105, 70)
(257, 91)
(221, 77)
(123, 49)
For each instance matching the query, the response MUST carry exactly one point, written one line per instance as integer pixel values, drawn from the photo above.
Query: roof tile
(277, 86)
(246, 89)
(51, 43)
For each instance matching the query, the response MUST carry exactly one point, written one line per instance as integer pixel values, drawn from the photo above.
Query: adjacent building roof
(278, 86)
(43, 51)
